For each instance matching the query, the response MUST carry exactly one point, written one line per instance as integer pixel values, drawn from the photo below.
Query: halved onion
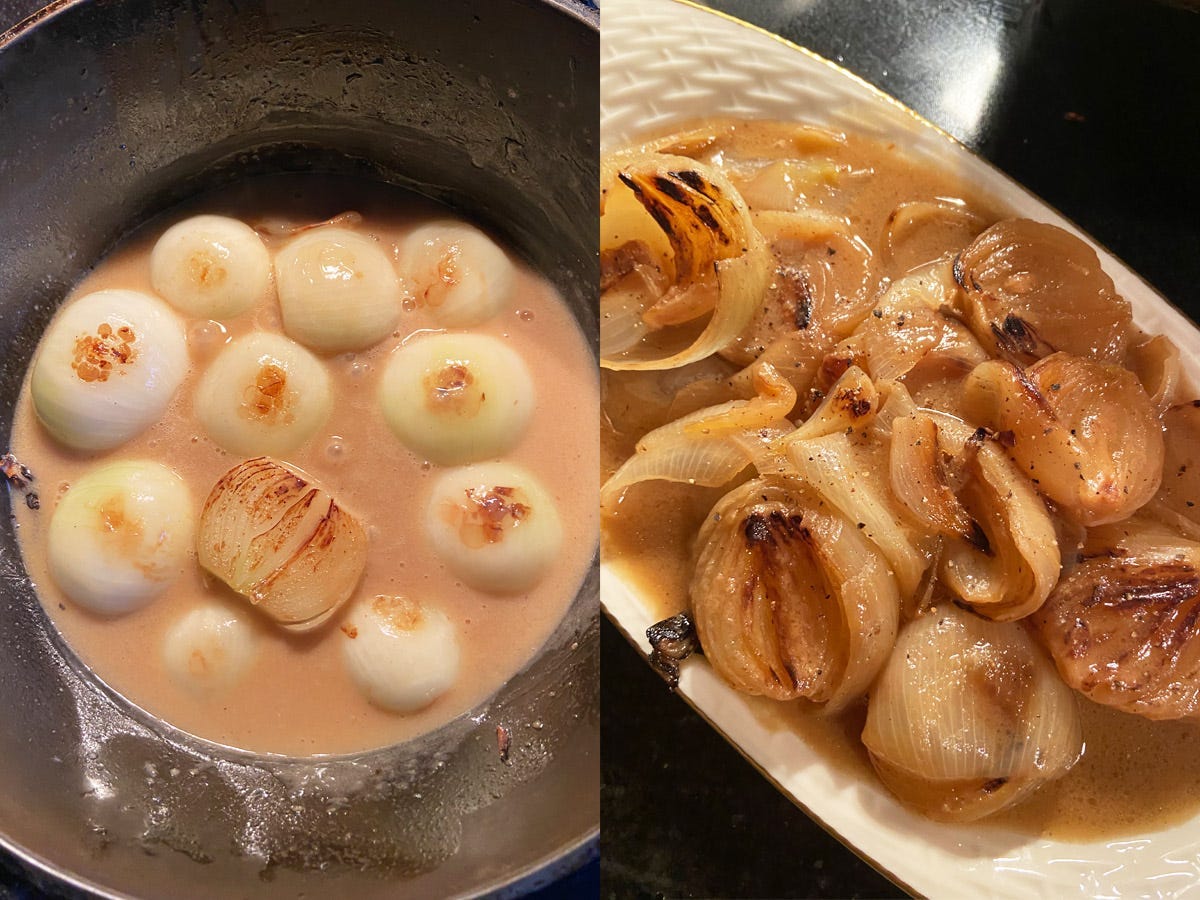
(1084, 432)
(968, 717)
(719, 259)
(1124, 625)
(1031, 289)
(789, 599)
(120, 536)
(209, 649)
(337, 290)
(457, 398)
(107, 368)
(282, 542)
(494, 525)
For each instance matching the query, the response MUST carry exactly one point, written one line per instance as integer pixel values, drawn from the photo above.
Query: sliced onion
(710, 233)
(903, 328)
(789, 600)
(281, 542)
(852, 402)
(1124, 627)
(1084, 432)
(697, 449)
(968, 717)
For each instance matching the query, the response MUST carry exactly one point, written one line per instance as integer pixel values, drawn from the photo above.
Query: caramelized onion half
(1084, 432)
(968, 717)
(281, 542)
(1124, 626)
(789, 600)
(1031, 289)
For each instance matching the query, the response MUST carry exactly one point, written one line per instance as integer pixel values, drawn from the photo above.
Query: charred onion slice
(1124, 629)
(789, 599)
(968, 717)
(719, 261)
(1031, 289)
(1084, 432)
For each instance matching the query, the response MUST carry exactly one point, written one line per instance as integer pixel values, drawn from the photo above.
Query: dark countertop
(1093, 106)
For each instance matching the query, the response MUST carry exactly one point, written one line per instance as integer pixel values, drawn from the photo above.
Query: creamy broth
(298, 698)
(1135, 774)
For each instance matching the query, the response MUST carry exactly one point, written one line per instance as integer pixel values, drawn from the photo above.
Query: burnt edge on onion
(672, 641)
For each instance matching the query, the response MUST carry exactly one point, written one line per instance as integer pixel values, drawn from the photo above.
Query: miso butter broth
(298, 697)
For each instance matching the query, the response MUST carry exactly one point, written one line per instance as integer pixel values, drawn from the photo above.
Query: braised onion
(1031, 289)
(1084, 432)
(968, 716)
(281, 542)
(789, 599)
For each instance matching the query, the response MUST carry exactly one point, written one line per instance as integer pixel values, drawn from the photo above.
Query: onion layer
(700, 448)
(1124, 626)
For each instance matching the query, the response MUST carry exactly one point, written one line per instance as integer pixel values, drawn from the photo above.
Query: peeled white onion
(281, 542)
(209, 649)
(494, 525)
(263, 395)
(120, 536)
(107, 368)
(968, 716)
(457, 398)
(458, 272)
(337, 290)
(402, 654)
(211, 267)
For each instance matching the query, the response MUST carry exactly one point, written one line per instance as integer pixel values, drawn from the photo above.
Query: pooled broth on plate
(297, 694)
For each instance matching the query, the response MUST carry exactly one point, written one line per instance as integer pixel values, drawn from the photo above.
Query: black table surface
(1093, 106)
